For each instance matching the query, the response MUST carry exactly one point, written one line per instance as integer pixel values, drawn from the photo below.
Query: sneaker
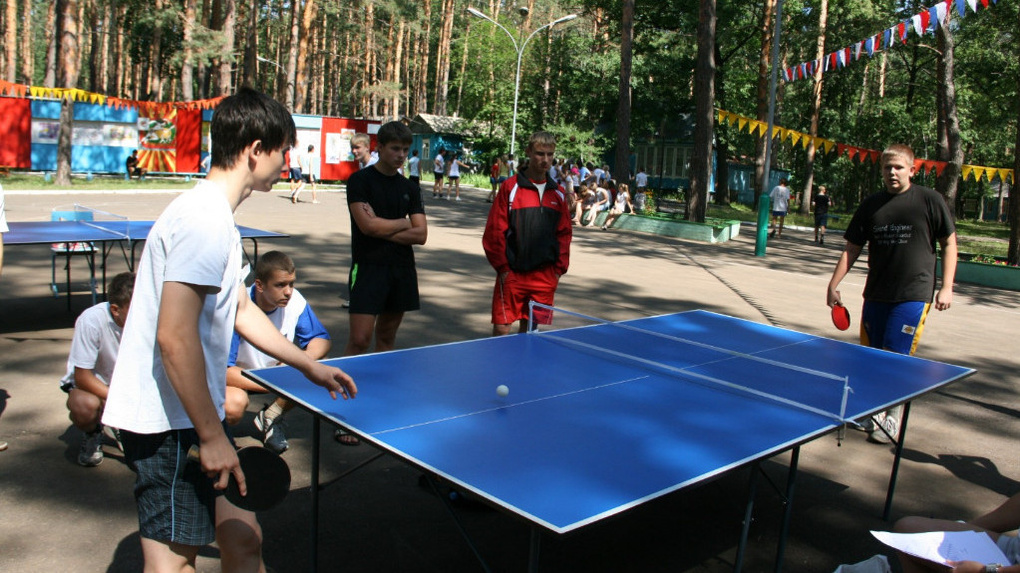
(91, 453)
(891, 427)
(456, 198)
(270, 432)
(772, 235)
(114, 435)
(821, 241)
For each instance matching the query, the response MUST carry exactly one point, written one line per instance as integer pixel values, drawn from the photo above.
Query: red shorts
(510, 297)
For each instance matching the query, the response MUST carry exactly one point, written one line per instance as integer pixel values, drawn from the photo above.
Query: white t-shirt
(454, 168)
(438, 164)
(412, 166)
(780, 198)
(621, 200)
(295, 158)
(95, 344)
(285, 320)
(194, 241)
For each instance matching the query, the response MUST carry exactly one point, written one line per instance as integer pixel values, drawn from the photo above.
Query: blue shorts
(821, 220)
(295, 174)
(894, 326)
(176, 500)
(779, 213)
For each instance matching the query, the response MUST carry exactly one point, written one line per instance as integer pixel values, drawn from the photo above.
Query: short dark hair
(273, 261)
(120, 289)
(394, 131)
(244, 118)
(415, 153)
(311, 147)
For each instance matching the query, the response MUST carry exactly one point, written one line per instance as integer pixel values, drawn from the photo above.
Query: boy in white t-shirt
(169, 385)
(90, 365)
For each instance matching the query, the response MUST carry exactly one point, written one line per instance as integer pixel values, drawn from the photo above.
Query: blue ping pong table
(102, 237)
(688, 397)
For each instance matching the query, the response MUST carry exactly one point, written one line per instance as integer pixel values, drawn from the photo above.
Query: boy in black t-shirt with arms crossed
(900, 226)
(387, 217)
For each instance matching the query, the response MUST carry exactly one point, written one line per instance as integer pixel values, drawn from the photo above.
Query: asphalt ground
(960, 458)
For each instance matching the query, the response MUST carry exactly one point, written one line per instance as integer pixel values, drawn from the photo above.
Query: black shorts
(822, 220)
(438, 175)
(378, 289)
(415, 179)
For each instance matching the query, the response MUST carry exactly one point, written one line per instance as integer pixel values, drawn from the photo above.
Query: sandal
(346, 438)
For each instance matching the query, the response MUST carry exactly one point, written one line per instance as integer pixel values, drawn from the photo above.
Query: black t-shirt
(821, 205)
(391, 197)
(901, 231)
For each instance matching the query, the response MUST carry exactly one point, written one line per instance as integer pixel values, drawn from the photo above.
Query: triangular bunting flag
(940, 166)
(961, 7)
(966, 172)
(973, 5)
(828, 144)
(741, 122)
(918, 27)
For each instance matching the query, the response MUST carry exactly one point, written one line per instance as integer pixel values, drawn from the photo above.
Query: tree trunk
(463, 65)
(97, 26)
(764, 57)
(50, 80)
(250, 64)
(155, 87)
(421, 91)
(225, 82)
(816, 110)
(704, 114)
(115, 74)
(948, 182)
(304, 62)
(722, 149)
(187, 65)
(1013, 255)
(67, 25)
(11, 40)
(27, 59)
(443, 61)
(622, 166)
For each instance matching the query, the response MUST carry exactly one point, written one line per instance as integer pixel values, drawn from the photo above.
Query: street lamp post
(520, 54)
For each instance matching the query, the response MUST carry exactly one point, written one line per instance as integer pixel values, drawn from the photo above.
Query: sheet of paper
(945, 546)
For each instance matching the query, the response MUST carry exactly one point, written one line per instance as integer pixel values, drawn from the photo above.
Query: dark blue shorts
(894, 326)
(295, 174)
(822, 220)
(176, 500)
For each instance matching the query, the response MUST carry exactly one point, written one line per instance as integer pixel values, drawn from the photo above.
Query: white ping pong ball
(502, 390)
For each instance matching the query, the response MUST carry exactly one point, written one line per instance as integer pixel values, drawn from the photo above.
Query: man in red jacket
(527, 239)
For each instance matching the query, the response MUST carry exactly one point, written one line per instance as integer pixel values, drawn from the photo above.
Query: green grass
(24, 182)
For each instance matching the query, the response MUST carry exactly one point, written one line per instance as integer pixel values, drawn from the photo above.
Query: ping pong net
(755, 373)
(106, 223)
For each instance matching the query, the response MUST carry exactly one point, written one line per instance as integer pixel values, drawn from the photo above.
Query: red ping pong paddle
(266, 476)
(840, 316)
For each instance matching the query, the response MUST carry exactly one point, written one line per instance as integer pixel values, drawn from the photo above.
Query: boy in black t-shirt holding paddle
(900, 226)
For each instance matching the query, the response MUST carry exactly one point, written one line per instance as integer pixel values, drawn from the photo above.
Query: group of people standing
(190, 315)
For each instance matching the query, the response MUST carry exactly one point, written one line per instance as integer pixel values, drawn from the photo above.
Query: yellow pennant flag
(741, 123)
(795, 137)
(966, 171)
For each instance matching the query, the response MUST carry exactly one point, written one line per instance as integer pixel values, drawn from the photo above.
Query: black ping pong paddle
(840, 316)
(266, 475)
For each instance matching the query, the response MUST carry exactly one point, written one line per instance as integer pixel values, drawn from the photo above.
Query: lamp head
(523, 11)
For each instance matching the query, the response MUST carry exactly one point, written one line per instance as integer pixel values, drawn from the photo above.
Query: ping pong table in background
(102, 236)
(688, 396)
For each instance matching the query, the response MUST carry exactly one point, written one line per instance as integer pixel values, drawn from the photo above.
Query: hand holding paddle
(265, 478)
(840, 316)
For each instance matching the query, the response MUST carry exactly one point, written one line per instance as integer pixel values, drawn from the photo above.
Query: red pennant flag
(840, 149)
(901, 29)
(925, 20)
(851, 152)
(940, 166)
